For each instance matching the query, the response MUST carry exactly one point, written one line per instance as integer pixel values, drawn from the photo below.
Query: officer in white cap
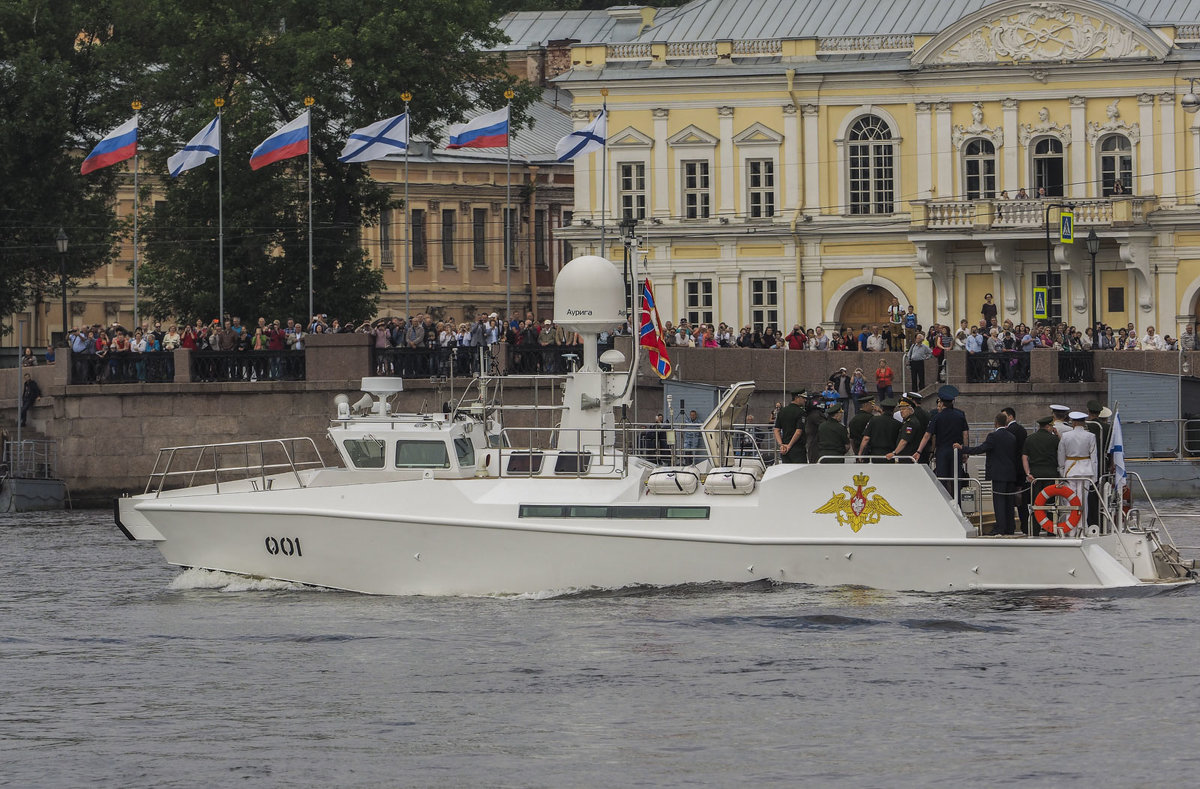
(1061, 425)
(1077, 457)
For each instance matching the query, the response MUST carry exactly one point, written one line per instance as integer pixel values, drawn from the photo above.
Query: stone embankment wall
(109, 435)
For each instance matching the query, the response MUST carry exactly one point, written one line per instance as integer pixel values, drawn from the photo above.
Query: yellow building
(805, 162)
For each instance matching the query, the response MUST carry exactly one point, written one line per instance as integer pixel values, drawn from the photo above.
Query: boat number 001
(285, 545)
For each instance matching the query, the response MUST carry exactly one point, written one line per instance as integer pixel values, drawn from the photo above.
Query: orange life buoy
(1073, 517)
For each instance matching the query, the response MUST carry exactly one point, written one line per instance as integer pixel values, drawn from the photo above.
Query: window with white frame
(632, 189)
(764, 303)
(697, 199)
(698, 300)
(1049, 167)
(760, 181)
(871, 156)
(1116, 165)
(979, 167)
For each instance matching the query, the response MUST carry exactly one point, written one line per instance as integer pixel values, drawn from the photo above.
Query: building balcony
(971, 216)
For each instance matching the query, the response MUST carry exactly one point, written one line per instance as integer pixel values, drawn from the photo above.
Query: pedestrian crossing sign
(1066, 227)
(1039, 304)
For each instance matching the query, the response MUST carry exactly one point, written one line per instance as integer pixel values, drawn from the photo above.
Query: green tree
(60, 81)
(355, 58)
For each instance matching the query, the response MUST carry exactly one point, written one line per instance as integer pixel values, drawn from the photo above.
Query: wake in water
(199, 578)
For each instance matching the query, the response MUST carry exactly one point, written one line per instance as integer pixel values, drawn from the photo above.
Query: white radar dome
(589, 295)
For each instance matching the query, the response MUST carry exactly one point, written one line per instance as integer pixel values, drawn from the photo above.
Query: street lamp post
(60, 241)
(1093, 247)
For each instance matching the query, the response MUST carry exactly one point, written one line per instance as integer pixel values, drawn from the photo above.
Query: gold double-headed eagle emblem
(853, 508)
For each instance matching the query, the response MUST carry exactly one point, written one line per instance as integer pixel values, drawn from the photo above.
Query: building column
(1011, 177)
(789, 164)
(811, 276)
(660, 206)
(812, 160)
(658, 268)
(1166, 107)
(726, 299)
(924, 151)
(728, 174)
(1165, 270)
(1146, 147)
(586, 204)
(945, 159)
(1080, 180)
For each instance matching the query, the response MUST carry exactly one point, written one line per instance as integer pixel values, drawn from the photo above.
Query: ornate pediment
(630, 137)
(692, 136)
(1017, 32)
(1044, 128)
(758, 134)
(959, 134)
(1114, 125)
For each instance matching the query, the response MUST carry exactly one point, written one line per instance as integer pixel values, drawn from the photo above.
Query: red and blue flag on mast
(650, 335)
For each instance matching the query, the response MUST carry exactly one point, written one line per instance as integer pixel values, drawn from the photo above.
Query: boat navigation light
(342, 403)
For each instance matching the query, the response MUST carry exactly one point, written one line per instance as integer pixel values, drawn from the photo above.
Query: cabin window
(572, 462)
(525, 463)
(422, 454)
(465, 451)
(364, 452)
(633, 512)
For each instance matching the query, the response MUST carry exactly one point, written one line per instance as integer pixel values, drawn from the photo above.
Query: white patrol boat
(457, 503)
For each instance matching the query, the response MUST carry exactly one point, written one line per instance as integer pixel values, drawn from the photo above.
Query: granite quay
(109, 434)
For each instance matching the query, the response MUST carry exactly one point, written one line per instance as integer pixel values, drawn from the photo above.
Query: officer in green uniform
(911, 429)
(921, 414)
(833, 439)
(1039, 458)
(858, 423)
(882, 433)
(811, 423)
(789, 429)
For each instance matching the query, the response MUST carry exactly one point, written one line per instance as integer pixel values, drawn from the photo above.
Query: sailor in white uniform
(1061, 425)
(1077, 458)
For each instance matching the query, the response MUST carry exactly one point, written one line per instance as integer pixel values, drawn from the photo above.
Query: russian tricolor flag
(120, 144)
(287, 141)
(486, 131)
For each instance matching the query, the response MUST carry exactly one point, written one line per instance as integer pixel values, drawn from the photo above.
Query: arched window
(872, 166)
(1116, 165)
(979, 167)
(1048, 167)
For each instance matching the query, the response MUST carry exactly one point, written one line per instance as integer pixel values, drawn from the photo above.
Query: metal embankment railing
(259, 462)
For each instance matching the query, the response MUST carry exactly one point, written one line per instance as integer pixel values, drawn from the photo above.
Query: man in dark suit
(1001, 468)
(1022, 497)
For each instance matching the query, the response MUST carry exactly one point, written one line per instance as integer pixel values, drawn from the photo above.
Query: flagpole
(604, 175)
(308, 102)
(137, 106)
(407, 97)
(220, 102)
(509, 255)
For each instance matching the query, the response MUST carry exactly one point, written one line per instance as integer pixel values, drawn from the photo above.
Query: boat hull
(401, 556)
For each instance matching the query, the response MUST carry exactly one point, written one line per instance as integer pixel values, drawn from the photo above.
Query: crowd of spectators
(897, 331)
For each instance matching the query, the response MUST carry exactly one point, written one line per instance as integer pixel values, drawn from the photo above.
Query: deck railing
(256, 461)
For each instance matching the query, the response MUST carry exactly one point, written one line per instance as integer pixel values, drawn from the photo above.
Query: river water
(117, 670)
